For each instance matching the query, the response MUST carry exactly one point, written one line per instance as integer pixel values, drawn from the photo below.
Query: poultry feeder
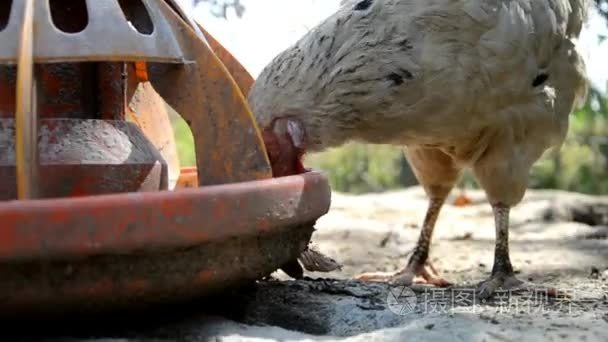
(95, 211)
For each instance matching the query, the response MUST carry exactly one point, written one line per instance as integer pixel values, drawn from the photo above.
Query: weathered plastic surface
(148, 36)
(241, 76)
(149, 112)
(114, 250)
(229, 146)
(85, 157)
(228, 223)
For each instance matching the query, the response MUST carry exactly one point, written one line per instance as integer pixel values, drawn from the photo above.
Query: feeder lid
(114, 30)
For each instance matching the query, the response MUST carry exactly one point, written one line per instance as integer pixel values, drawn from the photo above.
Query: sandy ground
(548, 247)
(374, 232)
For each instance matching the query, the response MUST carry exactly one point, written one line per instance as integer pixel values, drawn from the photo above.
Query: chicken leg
(438, 174)
(502, 271)
(418, 264)
(502, 174)
(503, 276)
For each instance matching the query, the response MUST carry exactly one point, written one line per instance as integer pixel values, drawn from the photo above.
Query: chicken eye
(363, 5)
(540, 79)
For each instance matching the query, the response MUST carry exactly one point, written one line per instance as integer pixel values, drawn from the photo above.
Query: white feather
(455, 74)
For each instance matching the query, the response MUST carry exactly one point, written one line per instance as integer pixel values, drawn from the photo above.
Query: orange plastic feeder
(95, 211)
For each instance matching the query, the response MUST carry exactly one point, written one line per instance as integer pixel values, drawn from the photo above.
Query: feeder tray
(96, 212)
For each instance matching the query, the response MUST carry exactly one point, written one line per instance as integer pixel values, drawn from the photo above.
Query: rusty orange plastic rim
(135, 222)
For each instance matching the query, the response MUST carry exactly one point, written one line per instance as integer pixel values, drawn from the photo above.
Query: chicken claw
(418, 265)
(314, 261)
(425, 275)
(512, 284)
(310, 260)
(497, 281)
(503, 276)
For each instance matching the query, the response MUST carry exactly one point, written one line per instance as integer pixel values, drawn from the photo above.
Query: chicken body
(480, 84)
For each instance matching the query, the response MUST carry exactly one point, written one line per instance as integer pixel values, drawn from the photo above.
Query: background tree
(220, 8)
(602, 7)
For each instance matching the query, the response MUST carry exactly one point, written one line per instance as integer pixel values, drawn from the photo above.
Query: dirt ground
(557, 239)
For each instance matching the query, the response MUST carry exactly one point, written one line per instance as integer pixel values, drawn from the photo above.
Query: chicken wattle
(285, 140)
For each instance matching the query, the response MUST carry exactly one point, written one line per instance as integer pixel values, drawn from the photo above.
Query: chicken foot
(418, 264)
(503, 276)
(437, 173)
(502, 271)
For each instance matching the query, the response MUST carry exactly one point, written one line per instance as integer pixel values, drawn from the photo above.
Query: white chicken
(481, 84)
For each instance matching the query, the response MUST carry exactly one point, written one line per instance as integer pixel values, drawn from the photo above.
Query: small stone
(595, 273)
(429, 326)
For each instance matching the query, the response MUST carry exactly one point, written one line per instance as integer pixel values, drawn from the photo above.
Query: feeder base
(85, 157)
(105, 284)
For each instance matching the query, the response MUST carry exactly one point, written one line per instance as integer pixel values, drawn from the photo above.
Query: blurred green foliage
(183, 139)
(581, 163)
(360, 168)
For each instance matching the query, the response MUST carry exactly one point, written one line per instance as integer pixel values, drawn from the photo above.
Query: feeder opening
(137, 15)
(5, 13)
(69, 16)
